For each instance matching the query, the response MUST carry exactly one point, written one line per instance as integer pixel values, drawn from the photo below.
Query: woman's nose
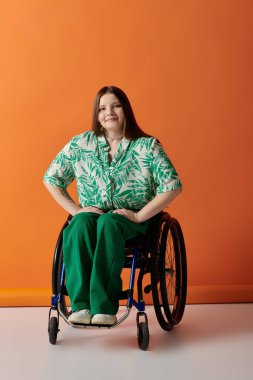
(109, 111)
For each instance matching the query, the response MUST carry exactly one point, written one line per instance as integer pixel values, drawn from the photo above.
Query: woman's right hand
(90, 209)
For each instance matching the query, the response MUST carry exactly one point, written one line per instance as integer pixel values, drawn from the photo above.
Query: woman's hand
(157, 204)
(90, 209)
(131, 215)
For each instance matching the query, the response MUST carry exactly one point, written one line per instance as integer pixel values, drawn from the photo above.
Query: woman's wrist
(76, 210)
(138, 218)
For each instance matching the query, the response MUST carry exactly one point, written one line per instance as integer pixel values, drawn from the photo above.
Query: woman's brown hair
(132, 129)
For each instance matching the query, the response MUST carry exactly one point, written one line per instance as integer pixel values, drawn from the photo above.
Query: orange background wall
(187, 69)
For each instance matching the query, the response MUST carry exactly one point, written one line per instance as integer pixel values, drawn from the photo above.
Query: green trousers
(94, 256)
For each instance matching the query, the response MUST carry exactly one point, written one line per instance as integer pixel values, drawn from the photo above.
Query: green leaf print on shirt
(140, 169)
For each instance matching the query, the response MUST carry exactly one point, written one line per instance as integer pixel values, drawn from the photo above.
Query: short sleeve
(61, 172)
(163, 172)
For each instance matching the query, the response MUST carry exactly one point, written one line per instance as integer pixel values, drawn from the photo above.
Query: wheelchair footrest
(90, 325)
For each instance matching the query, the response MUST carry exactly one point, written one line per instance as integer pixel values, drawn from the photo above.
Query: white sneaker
(80, 316)
(104, 319)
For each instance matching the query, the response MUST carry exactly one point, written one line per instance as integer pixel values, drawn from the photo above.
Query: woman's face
(111, 115)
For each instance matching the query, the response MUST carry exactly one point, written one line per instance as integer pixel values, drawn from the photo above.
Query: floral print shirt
(139, 170)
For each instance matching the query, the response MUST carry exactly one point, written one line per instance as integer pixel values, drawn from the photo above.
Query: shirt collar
(124, 143)
(103, 143)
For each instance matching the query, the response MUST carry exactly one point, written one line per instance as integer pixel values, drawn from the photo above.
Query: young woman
(123, 179)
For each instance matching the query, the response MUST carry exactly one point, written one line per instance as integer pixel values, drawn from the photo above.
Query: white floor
(212, 342)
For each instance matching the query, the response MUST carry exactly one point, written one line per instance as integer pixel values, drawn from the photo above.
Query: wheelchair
(161, 254)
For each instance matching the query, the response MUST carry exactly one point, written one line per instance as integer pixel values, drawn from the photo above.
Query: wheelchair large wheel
(169, 273)
(58, 276)
(61, 288)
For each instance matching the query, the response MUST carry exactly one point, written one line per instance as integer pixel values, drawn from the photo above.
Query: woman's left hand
(131, 215)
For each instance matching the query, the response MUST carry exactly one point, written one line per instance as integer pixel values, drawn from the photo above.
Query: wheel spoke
(170, 272)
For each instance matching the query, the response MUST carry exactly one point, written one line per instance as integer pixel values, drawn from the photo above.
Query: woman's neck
(112, 137)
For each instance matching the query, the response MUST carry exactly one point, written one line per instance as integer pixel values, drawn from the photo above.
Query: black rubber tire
(62, 289)
(53, 330)
(57, 288)
(169, 273)
(143, 335)
(174, 265)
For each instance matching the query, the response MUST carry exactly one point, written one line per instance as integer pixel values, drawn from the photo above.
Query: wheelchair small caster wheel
(143, 336)
(142, 332)
(53, 329)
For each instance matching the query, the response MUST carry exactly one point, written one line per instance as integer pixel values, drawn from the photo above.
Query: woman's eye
(115, 106)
